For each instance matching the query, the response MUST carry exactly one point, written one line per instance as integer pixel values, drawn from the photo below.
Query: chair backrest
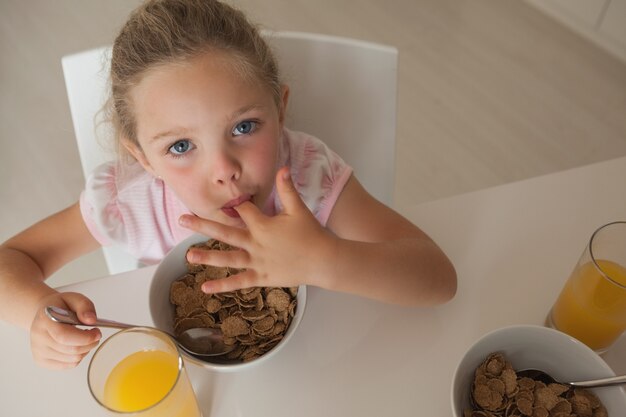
(86, 80)
(342, 90)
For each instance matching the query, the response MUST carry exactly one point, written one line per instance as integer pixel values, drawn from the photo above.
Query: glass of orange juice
(592, 304)
(140, 371)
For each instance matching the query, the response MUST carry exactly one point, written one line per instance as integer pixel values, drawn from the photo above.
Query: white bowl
(173, 267)
(527, 346)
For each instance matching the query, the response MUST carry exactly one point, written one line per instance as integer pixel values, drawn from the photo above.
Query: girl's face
(208, 134)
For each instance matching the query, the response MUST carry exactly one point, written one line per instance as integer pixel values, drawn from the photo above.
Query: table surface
(513, 247)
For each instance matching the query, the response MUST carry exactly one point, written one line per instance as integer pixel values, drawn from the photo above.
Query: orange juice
(591, 307)
(144, 379)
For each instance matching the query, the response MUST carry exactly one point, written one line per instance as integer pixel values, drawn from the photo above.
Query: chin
(231, 221)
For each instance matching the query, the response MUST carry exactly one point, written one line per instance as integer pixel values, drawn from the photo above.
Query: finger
(287, 192)
(234, 236)
(234, 258)
(65, 349)
(72, 358)
(45, 349)
(246, 279)
(68, 335)
(249, 213)
(82, 306)
(55, 365)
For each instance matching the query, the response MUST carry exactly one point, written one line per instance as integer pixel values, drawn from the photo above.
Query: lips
(229, 207)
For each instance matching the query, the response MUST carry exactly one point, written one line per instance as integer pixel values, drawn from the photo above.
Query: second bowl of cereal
(256, 322)
(486, 380)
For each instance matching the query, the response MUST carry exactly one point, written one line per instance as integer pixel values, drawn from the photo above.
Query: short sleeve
(123, 205)
(98, 205)
(319, 174)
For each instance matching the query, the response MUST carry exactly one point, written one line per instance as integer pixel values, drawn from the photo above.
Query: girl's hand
(61, 346)
(280, 251)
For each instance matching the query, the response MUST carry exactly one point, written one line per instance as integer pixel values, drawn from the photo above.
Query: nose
(225, 167)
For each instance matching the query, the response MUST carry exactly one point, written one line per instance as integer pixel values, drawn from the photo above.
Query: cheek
(184, 181)
(262, 162)
(265, 156)
(262, 168)
(180, 178)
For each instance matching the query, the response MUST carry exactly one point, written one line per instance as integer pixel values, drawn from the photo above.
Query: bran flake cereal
(254, 320)
(497, 391)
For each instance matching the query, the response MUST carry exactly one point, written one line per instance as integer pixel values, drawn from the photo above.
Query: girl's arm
(369, 250)
(380, 254)
(26, 260)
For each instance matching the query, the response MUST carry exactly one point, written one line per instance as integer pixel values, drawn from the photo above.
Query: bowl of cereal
(486, 380)
(256, 322)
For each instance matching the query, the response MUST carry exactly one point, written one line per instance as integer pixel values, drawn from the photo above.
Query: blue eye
(245, 128)
(180, 147)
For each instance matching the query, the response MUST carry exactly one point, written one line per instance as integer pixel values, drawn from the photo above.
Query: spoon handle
(605, 382)
(69, 317)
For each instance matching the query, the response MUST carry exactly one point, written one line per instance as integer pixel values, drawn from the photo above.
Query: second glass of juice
(592, 304)
(140, 371)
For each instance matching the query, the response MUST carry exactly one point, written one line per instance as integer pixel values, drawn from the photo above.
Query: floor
(490, 91)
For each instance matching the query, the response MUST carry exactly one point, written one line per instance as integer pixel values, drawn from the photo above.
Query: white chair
(342, 91)
(86, 81)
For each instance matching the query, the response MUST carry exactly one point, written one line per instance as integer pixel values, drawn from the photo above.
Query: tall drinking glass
(592, 304)
(140, 372)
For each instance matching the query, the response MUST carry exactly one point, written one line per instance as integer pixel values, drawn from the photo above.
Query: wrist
(325, 251)
(46, 296)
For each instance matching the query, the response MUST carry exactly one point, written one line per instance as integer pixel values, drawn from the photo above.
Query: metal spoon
(547, 379)
(201, 341)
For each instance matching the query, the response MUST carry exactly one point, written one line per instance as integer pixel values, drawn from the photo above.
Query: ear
(137, 153)
(284, 100)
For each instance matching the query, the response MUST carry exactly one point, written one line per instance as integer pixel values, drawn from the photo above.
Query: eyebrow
(181, 131)
(178, 131)
(246, 109)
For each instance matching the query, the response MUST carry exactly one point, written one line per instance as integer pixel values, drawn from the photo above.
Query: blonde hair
(162, 32)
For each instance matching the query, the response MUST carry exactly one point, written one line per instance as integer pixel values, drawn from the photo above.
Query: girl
(198, 105)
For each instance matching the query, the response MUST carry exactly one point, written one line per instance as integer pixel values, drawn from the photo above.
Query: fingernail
(192, 257)
(206, 288)
(286, 175)
(89, 315)
(184, 221)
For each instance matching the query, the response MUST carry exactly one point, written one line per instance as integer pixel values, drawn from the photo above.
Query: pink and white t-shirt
(128, 207)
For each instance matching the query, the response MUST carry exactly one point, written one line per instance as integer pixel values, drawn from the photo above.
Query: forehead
(213, 68)
(213, 82)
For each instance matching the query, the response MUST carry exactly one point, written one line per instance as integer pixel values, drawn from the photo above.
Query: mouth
(229, 207)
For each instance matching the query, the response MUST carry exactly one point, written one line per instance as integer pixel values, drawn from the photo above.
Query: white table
(513, 247)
